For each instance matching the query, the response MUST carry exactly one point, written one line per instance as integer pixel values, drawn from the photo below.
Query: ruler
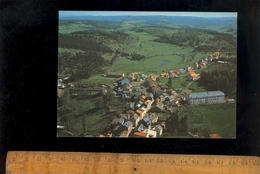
(18, 162)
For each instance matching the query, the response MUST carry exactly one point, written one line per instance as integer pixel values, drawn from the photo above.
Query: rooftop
(206, 94)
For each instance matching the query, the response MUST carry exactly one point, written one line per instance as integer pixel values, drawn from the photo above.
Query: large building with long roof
(206, 97)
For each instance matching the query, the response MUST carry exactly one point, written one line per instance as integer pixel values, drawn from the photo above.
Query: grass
(94, 122)
(220, 118)
(196, 88)
(98, 80)
(176, 82)
(73, 27)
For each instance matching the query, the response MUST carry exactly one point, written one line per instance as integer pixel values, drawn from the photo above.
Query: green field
(217, 118)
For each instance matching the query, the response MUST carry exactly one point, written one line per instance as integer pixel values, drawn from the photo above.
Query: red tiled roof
(141, 134)
(139, 111)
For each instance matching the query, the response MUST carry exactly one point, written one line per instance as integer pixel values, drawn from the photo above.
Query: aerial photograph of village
(147, 74)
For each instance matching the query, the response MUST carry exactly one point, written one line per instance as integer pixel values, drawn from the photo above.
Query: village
(146, 98)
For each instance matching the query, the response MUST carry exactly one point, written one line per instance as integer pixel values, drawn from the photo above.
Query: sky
(136, 13)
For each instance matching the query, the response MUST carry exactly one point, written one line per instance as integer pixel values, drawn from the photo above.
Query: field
(217, 119)
(91, 48)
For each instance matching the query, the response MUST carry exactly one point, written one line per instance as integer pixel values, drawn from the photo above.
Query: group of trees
(83, 42)
(219, 80)
(136, 56)
(174, 123)
(82, 64)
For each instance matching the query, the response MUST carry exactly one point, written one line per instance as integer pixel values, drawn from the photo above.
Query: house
(173, 75)
(118, 130)
(128, 96)
(154, 118)
(141, 127)
(192, 77)
(205, 97)
(175, 103)
(230, 100)
(141, 112)
(176, 72)
(155, 90)
(216, 55)
(124, 81)
(203, 65)
(159, 106)
(135, 119)
(210, 58)
(121, 120)
(182, 71)
(201, 60)
(162, 97)
(169, 98)
(191, 72)
(140, 134)
(188, 68)
(114, 74)
(196, 65)
(131, 106)
(124, 134)
(60, 84)
(179, 90)
(148, 82)
(153, 77)
(129, 126)
(165, 74)
(159, 130)
(150, 133)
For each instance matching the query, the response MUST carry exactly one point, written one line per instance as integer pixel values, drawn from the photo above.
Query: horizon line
(148, 13)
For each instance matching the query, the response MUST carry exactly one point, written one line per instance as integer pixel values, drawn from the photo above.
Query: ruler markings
(77, 162)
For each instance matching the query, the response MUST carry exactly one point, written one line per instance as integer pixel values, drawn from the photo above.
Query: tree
(183, 124)
(170, 82)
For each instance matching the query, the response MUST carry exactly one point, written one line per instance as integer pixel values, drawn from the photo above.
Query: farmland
(89, 49)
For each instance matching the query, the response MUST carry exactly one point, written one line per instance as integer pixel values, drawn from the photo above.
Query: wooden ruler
(118, 163)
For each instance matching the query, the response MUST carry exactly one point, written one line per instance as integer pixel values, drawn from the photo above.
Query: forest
(81, 65)
(216, 80)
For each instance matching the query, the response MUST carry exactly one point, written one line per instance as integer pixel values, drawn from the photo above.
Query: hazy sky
(136, 13)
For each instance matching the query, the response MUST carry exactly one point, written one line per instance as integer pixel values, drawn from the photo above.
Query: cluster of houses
(202, 63)
(146, 99)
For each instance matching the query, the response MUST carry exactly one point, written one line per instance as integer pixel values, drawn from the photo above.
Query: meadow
(216, 119)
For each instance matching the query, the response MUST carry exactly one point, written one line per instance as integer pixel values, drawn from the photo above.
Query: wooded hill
(89, 46)
(216, 80)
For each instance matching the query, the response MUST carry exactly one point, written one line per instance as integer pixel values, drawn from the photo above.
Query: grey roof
(59, 83)
(128, 123)
(206, 94)
(141, 128)
(159, 127)
(125, 81)
(121, 120)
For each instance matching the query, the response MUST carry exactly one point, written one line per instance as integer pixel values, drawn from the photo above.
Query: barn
(206, 97)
